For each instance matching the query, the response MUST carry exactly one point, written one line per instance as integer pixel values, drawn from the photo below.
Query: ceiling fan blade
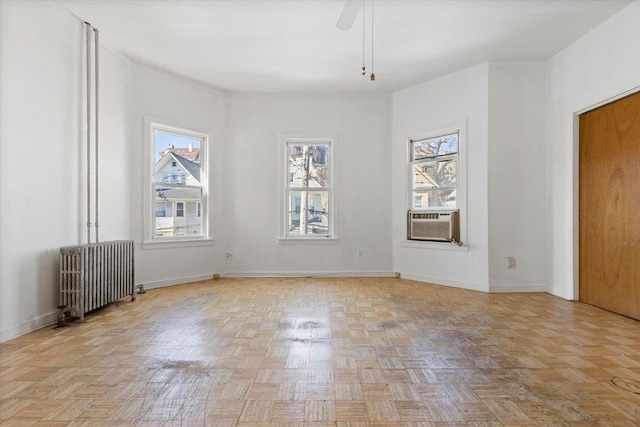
(348, 15)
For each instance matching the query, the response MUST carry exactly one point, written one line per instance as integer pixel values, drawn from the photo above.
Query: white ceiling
(294, 46)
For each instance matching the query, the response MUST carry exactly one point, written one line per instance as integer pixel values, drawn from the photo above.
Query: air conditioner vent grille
(436, 230)
(431, 215)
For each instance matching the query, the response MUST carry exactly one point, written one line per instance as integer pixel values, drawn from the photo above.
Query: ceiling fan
(348, 15)
(345, 22)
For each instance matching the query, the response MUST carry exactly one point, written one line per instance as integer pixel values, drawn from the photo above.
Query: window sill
(177, 243)
(444, 246)
(308, 240)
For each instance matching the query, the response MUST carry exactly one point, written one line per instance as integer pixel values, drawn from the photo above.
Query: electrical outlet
(359, 253)
(229, 256)
(511, 262)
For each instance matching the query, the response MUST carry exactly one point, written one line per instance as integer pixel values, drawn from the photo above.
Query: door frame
(575, 162)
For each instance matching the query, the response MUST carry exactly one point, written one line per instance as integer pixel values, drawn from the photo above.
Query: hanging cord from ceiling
(364, 68)
(373, 76)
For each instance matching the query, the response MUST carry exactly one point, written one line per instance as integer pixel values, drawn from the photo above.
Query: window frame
(460, 126)
(285, 141)
(150, 239)
(445, 157)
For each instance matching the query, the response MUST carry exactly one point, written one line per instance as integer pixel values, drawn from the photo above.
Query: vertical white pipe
(88, 47)
(96, 73)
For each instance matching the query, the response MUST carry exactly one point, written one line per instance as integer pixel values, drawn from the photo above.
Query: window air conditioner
(434, 226)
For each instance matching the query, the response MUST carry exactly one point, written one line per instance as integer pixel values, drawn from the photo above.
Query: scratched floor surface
(327, 352)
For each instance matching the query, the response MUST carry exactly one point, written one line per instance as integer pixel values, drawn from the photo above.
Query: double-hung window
(434, 171)
(308, 201)
(180, 209)
(179, 185)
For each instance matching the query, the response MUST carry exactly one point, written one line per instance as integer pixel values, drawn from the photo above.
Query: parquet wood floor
(327, 352)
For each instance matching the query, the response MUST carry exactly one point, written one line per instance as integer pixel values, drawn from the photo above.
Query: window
(180, 209)
(434, 170)
(308, 195)
(178, 184)
(160, 209)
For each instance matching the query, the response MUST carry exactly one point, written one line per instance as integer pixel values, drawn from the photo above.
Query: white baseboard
(29, 326)
(240, 274)
(175, 281)
(518, 288)
(476, 286)
(444, 282)
(562, 293)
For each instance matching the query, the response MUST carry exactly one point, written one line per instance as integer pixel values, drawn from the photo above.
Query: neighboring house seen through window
(160, 209)
(308, 195)
(179, 183)
(434, 171)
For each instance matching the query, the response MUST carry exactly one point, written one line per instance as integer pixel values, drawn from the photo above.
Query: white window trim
(148, 201)
(459, 126)
(308, 139)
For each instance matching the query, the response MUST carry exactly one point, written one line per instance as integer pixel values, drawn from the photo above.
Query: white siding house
(178, 210)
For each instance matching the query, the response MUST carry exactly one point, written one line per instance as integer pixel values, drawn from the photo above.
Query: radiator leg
(61, 321)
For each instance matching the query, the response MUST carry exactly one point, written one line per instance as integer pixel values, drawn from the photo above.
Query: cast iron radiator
(95, 274)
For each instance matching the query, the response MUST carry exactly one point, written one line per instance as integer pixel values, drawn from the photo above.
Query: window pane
(434, 174)
(308, 166)
(177, 159)
(435, 199)
(308, 212)
(180, 215)
(433, 147)
(160, 209)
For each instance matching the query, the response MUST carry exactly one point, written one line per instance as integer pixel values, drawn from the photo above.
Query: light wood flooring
(327, 352)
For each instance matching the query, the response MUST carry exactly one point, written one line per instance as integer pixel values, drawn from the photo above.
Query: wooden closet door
(610, 206)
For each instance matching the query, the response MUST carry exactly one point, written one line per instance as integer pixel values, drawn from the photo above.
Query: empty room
(339, 213)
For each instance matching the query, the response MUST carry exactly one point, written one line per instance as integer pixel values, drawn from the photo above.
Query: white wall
(115, 171)
(458, 98)
(361, 124)
(175, 101)
(42, 164)
(602, 64)
(517, 220)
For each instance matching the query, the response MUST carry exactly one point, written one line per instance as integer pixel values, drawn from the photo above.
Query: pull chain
(373, 76)
(363, 48)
